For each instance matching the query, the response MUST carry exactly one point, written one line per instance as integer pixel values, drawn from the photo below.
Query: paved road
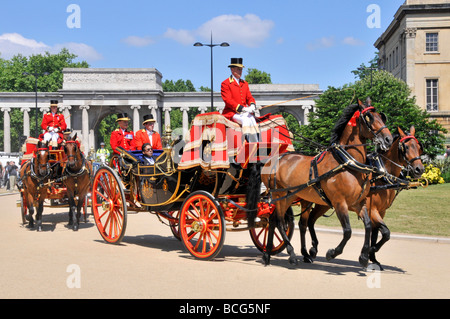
(150, 263)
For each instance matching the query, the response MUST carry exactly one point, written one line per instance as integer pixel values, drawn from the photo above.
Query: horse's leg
(76, 224)
(40, 209)
(342, 213)
(318, 211)
(385, 236)
(281, 225)
(29, 217)
(364, 257)
(269, 245)
(303, 225)
(72, 210)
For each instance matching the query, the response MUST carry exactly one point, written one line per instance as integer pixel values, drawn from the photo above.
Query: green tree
(389, 95)
(13, 80)
(255, 76)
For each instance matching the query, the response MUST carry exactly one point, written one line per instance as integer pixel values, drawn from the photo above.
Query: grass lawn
(422, 211)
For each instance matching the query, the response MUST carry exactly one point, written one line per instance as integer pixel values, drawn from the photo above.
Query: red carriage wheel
(23, 208)
(202, 225)
(109, 205)
(259, 235)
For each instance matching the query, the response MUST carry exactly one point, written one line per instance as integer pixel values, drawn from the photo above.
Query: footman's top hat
(148, 118)
(122, 117)
(53, 102)
(236, 62)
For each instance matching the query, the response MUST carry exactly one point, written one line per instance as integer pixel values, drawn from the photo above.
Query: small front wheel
(202, 225)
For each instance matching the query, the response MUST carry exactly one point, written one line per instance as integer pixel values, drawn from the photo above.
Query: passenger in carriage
(54, 124)
(147, 152)
(239, 103)
(122, 136)
(148, 135)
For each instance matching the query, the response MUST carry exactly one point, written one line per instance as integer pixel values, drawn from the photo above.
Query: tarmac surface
(150, 263)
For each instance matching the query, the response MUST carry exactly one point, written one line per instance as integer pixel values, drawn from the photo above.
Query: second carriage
(198, 185)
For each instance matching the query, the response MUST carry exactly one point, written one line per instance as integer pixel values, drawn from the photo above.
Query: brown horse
(34, 174)
(77, 179)
(405, 152)
(338, 179)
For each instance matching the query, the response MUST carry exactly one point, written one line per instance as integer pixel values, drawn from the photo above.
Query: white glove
(56, 130)
(252, 108)
(50, 128)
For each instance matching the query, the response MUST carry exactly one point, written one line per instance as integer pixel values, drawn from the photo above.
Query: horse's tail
(253, 192)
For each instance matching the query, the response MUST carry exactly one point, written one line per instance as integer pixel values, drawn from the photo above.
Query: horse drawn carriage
(53, 177)
(198, 186)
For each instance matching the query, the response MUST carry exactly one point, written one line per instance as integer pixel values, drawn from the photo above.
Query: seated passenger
(147, 153)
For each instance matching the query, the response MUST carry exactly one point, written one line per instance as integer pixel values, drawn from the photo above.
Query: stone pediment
(108, 79)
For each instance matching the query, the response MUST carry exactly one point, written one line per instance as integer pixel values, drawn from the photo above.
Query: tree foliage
(389, 95)
(12, 79)
(255, 76)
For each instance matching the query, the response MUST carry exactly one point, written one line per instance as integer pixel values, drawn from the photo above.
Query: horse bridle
(371, 108)
(402, 149)
(33, 174)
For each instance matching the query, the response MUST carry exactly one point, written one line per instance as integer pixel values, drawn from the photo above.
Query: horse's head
(374, 125)
(72, 151)
(41, 160)
(410, 150)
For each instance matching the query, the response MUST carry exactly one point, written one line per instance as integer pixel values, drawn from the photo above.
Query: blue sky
(295, 41)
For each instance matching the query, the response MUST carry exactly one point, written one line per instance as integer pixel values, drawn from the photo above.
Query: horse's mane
(342, 122)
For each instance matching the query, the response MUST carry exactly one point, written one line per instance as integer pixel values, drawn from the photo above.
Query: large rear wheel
(202, 225)
(109, 205)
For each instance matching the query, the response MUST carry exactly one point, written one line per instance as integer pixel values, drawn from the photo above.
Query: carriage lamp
(211, 45)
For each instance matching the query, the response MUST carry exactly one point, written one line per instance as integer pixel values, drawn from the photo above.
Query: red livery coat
(142, 138)
(124, 140)
(56, 121)
(236, 96)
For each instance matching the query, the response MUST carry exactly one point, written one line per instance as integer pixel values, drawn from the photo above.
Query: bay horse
(405, 153)
(77, 179)
(337, 179)
(34, 174)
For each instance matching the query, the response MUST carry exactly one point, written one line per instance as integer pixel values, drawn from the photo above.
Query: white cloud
(182, 36)
(248, 30)
(136, 41)
(322, 43)
(14, 43)
(352, 41)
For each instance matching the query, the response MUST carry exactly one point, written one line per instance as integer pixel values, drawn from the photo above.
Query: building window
(432, 42)
(432, 95)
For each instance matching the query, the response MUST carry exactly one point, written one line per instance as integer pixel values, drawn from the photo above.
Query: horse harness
(345, 160)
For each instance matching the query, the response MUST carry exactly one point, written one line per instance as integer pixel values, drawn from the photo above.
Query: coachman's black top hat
(236, 62)
(148, 118)
(122, 117)
(53, 102)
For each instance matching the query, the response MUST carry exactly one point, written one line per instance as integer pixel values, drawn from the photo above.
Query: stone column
(185, 110)
(136, 123)
(6, 130)
(166, 118)
(66, 112)
(410, 44)
(85, 126)
(153, 110)
(203, 109)
(26, 121)
(306, 110)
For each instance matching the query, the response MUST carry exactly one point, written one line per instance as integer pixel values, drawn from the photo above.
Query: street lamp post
(211, 45)
(36, 76)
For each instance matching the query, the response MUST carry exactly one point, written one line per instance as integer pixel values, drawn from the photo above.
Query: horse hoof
(363, 261)
(330, 254)
(313, 252)
(39, 228)
(293, 261)
(308, 259)
(266, 260)
(75, 228)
